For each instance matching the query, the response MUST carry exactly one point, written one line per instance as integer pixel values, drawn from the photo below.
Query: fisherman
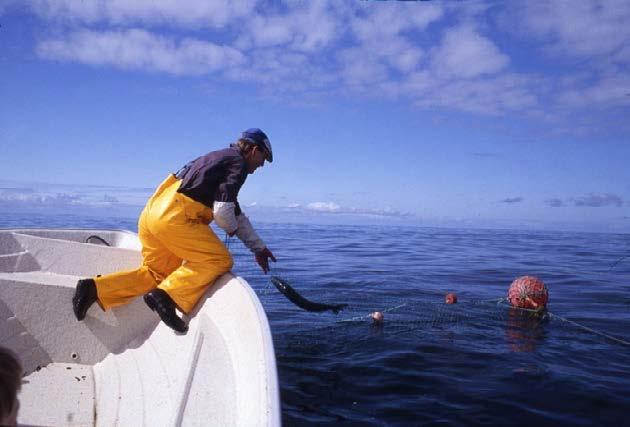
(181, 255)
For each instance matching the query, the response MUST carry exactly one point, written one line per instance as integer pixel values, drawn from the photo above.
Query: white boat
(124, 367)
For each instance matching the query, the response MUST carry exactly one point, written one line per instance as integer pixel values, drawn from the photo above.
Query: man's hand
(262, 258)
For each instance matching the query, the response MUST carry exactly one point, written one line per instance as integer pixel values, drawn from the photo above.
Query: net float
(451, 298)
(377, 317)
(528, 292)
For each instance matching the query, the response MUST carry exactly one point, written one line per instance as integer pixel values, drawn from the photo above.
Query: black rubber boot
(84, 297)
(160, 302)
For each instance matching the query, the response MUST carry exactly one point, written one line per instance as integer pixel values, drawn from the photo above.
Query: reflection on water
(525, 329)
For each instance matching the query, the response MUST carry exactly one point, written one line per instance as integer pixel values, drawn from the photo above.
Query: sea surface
(477, 362)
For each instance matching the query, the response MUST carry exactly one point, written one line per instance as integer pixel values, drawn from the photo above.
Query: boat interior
(123, 366)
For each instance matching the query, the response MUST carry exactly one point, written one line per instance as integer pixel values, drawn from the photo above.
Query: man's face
(255, 159)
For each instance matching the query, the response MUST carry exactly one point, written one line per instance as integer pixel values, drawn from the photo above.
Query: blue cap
(259, 138)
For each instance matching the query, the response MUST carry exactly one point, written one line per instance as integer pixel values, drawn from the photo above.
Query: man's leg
(157, 263)
(206, 258)
(118, 288)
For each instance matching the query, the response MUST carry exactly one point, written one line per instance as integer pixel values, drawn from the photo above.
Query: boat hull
(124, 367)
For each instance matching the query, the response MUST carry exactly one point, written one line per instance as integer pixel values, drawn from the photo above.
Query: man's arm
(245, 232)
(224, 216)
(225, 208)
(248, 235)
(227, 215)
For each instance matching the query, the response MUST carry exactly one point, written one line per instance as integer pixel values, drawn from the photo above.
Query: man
(181, 255)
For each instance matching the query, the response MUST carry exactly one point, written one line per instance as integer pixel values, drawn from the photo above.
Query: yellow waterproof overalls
(180, 252)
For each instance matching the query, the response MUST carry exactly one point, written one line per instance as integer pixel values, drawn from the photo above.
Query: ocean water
(476, 362)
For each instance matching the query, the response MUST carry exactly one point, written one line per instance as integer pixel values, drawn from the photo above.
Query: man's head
(256, 148)
(10, 381)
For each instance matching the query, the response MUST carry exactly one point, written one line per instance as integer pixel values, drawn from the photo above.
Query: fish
(297, 299)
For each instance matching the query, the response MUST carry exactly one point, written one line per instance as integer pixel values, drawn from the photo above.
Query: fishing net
(424, 313)
(426, 316)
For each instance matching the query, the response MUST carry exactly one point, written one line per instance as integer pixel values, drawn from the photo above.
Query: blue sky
(483, 114)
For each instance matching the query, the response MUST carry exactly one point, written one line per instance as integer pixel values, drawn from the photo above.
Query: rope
(617, 262)
(591, 330)
(354, 319)
(103, 241)
(501, 301)
(226, 241)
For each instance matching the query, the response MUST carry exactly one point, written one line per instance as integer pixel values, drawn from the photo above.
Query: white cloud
(323, 206)
(139, 49)
(598, 200)
(583, 28)
(495, 95)
(28, 196)
(597, 34)
(272, 65)
(431, 55)
(389, 19)
(466, 72)
(198, 13)
(15, 193)
(384, 44)
(464, 53)
(334, 208)
(373, 62)
(71, 10)
(359, 67)
(608, 90)
(330, 208)
(266, 32)
(305, 26)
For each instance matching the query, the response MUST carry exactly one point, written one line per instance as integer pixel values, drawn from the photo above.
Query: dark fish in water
(302, 302)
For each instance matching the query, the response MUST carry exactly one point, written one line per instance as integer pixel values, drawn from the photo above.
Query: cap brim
(267, 154)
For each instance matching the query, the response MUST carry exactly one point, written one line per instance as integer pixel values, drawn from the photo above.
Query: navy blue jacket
(216, 176)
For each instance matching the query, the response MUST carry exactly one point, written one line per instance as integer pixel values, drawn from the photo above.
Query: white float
(124, 367)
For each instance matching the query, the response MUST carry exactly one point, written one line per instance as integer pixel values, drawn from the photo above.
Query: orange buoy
(451, 298)
(528, 292)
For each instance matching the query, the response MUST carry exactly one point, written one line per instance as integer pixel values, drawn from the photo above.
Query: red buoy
(528, 292)
(451, 298)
